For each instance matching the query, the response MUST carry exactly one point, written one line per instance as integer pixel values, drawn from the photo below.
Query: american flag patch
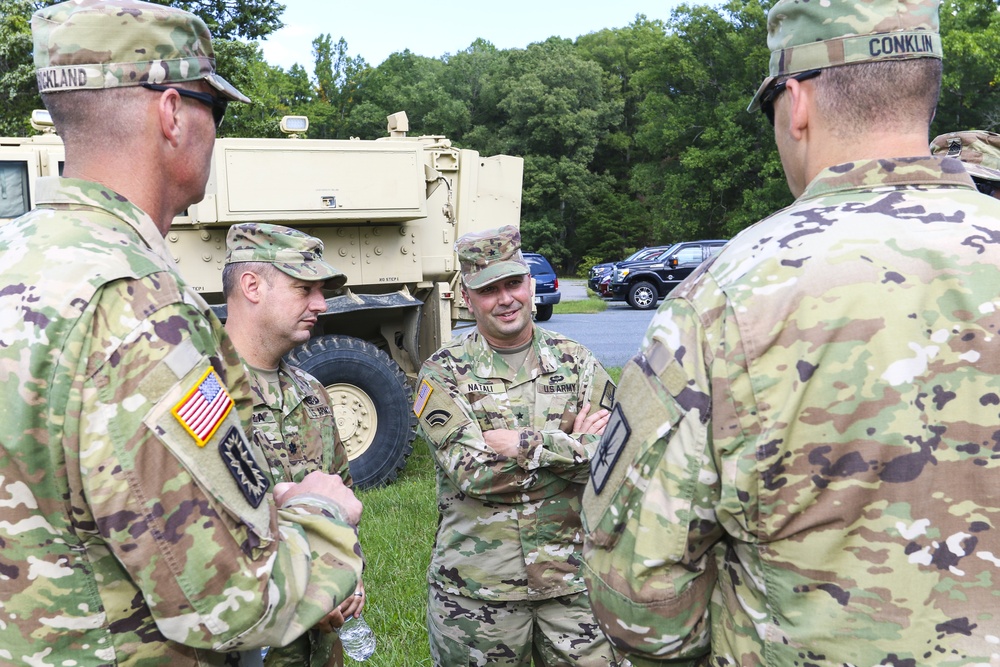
(423, 395)
(202, 410)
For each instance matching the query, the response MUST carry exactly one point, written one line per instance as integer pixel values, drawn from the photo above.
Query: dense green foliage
(227, 19)
(631, 136)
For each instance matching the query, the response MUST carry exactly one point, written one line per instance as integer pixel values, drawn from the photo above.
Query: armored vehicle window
(13, 189)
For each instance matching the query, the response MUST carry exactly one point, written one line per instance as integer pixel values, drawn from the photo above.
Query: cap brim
(982, 172)
(755, 102)
(495, 272)
(318, 271)
(335, 282)
(226, 88)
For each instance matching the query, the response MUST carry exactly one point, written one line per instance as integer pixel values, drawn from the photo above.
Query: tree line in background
(631, 136)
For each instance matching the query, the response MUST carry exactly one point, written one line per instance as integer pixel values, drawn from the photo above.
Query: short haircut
(884, 95)
(110, 115)
(231, 272)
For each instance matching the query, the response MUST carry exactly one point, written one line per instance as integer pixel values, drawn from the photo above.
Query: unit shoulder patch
(438, 418)
(242, 465)
(608, 396)
(613, 442)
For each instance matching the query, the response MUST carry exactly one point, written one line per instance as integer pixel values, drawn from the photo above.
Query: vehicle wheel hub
(354, 413)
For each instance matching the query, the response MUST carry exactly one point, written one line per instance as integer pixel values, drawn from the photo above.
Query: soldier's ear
(250, 285)
(168, 108)
(468, 301)
(802, 100)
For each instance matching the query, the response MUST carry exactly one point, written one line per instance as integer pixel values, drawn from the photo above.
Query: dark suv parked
(599, 271)
(546, 285)
(644, 282)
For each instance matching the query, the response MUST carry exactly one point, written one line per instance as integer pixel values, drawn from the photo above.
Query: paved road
(573, 289)
(613, 335)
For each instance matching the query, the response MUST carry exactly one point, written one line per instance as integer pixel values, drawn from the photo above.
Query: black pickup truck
(598, 271)
(644, 282)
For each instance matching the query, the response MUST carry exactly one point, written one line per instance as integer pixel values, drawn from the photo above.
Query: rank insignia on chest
(243, 466)
(203, 408)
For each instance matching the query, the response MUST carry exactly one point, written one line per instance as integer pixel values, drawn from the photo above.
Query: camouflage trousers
(515, 633)
(313, 649)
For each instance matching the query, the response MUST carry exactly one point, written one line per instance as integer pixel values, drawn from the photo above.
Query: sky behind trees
(376, 29)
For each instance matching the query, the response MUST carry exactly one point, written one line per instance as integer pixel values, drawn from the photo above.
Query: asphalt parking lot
(613, 335)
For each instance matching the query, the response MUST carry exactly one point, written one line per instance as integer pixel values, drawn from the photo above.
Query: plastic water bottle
(358, 638)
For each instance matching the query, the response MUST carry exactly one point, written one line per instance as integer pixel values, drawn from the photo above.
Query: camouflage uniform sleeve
(565, 453)
(193, 523)
(649, 511)
(449, 423)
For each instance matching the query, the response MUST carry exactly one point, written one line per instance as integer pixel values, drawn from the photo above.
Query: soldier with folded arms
(512, 413)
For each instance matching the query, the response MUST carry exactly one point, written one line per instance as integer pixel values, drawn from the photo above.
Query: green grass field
(591, 305)
(397, 533)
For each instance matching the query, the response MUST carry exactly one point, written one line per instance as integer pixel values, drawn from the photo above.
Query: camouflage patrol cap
(804, 35)
(292, 252)
(93, 44)
(489, 256)
(978, 149)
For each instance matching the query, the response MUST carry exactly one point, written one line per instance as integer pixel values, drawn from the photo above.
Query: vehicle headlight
(620, 275)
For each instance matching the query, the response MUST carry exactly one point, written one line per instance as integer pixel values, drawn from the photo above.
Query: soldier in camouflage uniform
(273, 282)
(802, 465)
(980, 151)
(138, 527)
(506, 408)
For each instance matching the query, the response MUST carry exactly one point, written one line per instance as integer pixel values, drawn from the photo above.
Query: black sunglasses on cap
(768, 96)
(218, 104)
(986, 187)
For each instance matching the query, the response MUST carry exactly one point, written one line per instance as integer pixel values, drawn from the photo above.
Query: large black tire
(642, 295)
(372, 404)
(544, 313)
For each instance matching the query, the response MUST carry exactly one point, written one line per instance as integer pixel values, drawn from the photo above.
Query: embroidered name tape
(202, 409)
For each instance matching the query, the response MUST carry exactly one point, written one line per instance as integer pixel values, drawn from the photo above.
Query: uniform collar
(888, 173)
(57, 191)
(487, 363)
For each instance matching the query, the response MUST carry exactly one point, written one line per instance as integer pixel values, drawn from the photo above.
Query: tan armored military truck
(387, 210)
